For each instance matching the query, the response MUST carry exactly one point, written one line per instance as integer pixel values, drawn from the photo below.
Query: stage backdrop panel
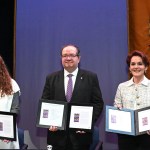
(139, 26)
(98, 27)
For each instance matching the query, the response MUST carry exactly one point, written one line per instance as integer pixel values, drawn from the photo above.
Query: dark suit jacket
(86, 90)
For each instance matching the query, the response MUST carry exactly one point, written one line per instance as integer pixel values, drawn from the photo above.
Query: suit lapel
(61, 83)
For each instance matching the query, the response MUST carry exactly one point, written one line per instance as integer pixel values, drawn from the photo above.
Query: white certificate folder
(126, 121)
(52, 112)
(81, 117)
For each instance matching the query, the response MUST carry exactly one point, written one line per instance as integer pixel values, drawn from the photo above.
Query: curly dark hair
(5, 80)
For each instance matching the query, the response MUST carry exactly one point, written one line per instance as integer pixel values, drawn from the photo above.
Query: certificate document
(8, 126)
(120, 120)
(81, 117)
(52, 113)
(142, 120)
(126, 121)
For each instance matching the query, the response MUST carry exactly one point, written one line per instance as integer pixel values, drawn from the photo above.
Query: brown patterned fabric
(139, 26)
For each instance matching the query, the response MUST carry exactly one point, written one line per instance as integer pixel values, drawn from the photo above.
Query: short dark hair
(78, 50)
(140, 54)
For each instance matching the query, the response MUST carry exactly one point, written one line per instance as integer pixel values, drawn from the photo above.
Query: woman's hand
(119, 106)
(6, 141)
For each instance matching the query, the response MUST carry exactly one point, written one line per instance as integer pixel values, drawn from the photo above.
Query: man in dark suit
(86, 90)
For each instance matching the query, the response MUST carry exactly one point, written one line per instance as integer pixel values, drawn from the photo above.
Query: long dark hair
(5, 80)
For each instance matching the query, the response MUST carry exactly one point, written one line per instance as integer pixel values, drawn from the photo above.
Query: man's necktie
(69, 88)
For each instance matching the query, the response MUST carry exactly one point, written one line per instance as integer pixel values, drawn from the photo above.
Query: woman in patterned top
(134, 94)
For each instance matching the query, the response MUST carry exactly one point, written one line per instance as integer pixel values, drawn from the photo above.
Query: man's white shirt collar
(74, 73)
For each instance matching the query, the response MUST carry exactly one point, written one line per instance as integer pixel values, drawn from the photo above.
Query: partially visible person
(134, 94)
(9, 100)
(86, 90)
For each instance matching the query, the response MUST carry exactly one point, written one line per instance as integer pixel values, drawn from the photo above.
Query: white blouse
(5, 105)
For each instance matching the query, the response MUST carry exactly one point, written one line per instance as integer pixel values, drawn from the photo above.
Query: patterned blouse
(133, 96)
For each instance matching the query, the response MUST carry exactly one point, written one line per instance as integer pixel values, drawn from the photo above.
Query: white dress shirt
(66, 78)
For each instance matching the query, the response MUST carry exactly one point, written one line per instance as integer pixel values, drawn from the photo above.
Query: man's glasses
(70, 56)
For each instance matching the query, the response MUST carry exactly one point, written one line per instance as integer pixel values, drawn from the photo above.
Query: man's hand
(148, 132)
(53, 128)
(81, 132)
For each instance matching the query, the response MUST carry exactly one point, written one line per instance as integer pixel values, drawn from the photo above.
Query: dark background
(7, 33)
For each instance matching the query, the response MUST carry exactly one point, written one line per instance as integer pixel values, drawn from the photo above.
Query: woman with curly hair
(134, 94)
(9, 100)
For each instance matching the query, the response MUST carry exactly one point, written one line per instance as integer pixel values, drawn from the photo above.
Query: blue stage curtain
(97, 27)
